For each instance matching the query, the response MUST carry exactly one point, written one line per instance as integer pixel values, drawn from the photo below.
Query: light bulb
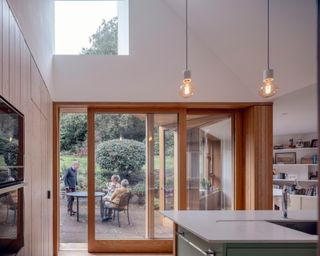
(268, 89)
(186, 89)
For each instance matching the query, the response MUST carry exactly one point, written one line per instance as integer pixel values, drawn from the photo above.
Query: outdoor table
(84, 194)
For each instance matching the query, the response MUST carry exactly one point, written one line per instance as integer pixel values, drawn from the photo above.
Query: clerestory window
(91, 27)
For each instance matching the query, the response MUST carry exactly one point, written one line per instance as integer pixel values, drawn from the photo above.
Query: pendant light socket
(187, 74)
(268, 74)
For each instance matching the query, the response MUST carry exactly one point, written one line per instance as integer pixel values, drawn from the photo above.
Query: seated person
(112, 186)
(115, 198)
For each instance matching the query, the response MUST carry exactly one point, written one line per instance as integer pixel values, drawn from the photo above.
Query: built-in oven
(11, 219)
(11, 145)
(11, 178)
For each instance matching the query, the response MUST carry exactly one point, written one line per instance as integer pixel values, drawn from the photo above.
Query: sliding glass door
(132, 164)
(210, 162)
(144, 160)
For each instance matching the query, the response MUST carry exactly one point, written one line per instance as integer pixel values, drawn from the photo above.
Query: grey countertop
(243, 226)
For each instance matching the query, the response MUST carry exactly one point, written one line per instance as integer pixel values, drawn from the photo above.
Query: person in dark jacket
(70, 182)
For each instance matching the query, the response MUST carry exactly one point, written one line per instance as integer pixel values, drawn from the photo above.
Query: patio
(72, 231)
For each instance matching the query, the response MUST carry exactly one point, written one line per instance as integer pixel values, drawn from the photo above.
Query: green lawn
(66, 162)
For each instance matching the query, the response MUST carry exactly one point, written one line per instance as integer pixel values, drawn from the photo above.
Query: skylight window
(91, 27)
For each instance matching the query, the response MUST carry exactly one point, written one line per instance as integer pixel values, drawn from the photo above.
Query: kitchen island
(244, 233)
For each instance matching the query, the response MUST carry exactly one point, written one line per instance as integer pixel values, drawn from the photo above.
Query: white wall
(35, 18)
(284, 139)
(227, 53)
(154, 69)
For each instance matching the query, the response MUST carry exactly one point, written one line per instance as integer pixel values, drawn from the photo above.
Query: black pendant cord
(187, 35)
(268, 35)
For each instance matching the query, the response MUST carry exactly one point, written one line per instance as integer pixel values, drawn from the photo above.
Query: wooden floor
(85, 253)
(80, 249)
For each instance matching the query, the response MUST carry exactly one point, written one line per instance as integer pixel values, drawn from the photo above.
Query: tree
(73, 132)
(105, 40)
(114, 126)
(123, 157)
(169, 142)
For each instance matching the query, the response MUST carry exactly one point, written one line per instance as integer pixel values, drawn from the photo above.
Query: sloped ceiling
(227, 53)
(296, 113)
(236, 34)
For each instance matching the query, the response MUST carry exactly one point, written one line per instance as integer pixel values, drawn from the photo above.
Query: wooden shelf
(294, 181)
(293, 149)
(295, 165)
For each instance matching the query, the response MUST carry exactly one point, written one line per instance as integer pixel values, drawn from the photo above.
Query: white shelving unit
(301, 171)
(297, 173)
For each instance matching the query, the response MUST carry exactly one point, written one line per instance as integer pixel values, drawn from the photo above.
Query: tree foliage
(9, 150)
(73, 132)
(105, 40)
(114, 126)
(169, 142)
(123, 157)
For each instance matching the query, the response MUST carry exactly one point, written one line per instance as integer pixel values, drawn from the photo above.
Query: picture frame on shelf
(306, 160)
(285, 158)
(314, 143)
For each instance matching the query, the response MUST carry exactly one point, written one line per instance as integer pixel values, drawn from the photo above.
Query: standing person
(70, 182)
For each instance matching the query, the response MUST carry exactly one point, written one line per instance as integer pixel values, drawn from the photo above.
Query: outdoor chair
(122, 206)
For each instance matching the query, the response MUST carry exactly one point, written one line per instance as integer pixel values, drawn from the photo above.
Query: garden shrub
(123, 157)
(140, 191)
(73, 132)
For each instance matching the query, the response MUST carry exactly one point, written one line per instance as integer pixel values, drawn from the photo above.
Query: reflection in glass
(209, 162)
(8, 215)
(11, 144)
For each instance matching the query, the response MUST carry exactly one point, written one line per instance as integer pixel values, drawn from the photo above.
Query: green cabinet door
(273, 250)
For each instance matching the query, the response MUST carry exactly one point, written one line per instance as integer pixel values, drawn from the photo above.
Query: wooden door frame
(182, 109)
(120, 246)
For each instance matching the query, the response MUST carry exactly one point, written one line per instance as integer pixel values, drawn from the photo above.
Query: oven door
(11, 219)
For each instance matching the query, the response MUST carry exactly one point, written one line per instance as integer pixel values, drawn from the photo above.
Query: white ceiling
(296, 113)
(235, 32)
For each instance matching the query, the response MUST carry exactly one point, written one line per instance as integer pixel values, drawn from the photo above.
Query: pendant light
(186, 89)
(268, 89)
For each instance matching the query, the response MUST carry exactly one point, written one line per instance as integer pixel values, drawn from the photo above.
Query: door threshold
(73, 247)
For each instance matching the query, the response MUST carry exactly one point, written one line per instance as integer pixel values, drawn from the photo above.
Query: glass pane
(135, 154)
(11, 145)
(8, 215)
(165, 158)
(209, 162)
(120, 174)
(73, 178)
(91, 27)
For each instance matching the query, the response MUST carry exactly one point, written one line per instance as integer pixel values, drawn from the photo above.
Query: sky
(76, 21)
